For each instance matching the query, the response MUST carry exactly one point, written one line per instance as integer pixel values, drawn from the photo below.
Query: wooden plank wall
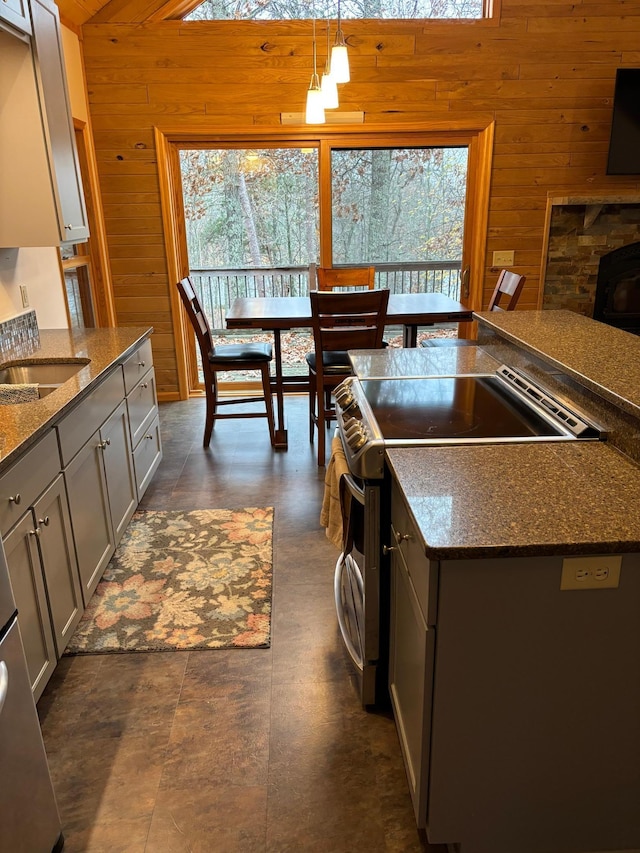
(545, 72)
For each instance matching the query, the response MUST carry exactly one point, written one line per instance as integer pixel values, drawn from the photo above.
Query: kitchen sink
(47, 375)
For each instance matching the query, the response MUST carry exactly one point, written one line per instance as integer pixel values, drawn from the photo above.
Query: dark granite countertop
(21, 424)
(602, 358)
(421, 361)
(520, 499)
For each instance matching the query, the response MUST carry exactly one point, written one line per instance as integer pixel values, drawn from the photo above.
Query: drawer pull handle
(35, 532)
(15, 499)
(149, 436)
(386, 549)
(141, 364)
(104, 444)
(144, 385)
(44, 521)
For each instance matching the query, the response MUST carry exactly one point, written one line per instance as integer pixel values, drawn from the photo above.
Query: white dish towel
(19, 393)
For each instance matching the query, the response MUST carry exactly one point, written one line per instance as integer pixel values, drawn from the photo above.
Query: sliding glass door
(257, 217)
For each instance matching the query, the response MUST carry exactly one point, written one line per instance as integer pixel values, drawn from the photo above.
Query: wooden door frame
(477, 133)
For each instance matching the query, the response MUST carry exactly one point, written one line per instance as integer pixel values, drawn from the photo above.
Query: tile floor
(232, 750)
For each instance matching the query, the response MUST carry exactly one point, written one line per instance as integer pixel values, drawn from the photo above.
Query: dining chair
(341, 321)
(509, 285)
(348, 278)
(227, 357)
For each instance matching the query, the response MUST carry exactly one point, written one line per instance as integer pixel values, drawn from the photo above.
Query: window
(349, 9)
(397, 205)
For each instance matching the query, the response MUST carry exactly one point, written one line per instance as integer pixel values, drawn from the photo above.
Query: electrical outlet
(503, 259)
(24, 295)
(591, 572)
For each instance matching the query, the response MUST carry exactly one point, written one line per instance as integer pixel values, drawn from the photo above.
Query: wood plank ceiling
(78, 12)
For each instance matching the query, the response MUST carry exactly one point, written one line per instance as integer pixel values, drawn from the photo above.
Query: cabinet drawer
(137, 365)
(27, 479)
(422, 572)
(78, 426)
(147, 456)
(140, 403)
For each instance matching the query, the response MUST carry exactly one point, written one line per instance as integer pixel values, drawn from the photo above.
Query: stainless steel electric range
(376, 413)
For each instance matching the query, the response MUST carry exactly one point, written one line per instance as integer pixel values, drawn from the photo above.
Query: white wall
(39, 270)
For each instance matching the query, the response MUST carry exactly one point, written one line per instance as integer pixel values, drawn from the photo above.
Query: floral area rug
(184, 580)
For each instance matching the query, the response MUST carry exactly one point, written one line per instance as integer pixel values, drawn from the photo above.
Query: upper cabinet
(58, 123)
(15, 14)
(42, 200)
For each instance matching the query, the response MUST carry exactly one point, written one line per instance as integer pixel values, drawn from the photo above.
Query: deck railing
(217, 288)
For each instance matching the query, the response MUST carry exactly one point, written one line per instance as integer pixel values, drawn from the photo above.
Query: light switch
(503, 259)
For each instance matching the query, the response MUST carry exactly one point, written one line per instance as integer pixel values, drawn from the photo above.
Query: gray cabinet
(142, 406)
(100, 484)
(15, 14)
(42, 199)
(27, 582)
(34, 516)
(56, 111)
(91, 518)
(65, 503)
(508, 689)
(411, 652)
(59, 565)
(118, 469)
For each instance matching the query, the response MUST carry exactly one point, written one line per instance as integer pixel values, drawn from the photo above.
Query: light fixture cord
(315, 72)
(327, 67)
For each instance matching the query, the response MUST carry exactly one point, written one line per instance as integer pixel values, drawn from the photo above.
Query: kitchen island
(74, 465)
(515, 576)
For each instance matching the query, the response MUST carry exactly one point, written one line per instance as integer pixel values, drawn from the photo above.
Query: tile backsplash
(19, 334)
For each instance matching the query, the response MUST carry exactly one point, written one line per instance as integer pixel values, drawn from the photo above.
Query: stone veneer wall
(19, 333)
(579, 235)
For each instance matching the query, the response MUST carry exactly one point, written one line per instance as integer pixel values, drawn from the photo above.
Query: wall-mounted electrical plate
(24, 295)
(591, 572)
(503, 259)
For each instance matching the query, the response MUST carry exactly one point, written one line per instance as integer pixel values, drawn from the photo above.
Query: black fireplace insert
(617, 299)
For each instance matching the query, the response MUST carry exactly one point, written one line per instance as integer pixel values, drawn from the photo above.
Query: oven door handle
(342, 622)
(353, 488)
(349, 490)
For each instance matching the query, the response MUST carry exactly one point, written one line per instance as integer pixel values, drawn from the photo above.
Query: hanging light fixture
(315, 103)
(328, 86)
(339, 56)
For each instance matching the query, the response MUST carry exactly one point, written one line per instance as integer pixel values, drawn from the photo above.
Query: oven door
(358, 587)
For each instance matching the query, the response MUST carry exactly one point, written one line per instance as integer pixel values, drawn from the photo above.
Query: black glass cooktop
(465, 407)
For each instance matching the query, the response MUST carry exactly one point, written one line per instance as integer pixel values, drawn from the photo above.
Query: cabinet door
(411, 657)
(58, 555)
(56, 109)
(15, 13)
(91, 518)
(147, 455)
(118, 467)
(25, 571)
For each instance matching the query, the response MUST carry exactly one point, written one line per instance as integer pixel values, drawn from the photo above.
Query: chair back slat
(510, 285)
(343, 321)
(329, 278)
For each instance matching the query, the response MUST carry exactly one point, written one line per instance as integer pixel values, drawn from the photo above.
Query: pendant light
(315, 104)
(339, 56)
(328, 86)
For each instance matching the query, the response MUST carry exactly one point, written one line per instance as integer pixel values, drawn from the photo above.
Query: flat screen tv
(624, 144)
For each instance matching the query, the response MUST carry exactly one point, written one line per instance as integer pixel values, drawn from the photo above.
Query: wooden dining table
(276, 314)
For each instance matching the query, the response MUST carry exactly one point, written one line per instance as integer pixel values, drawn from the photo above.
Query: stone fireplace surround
(581, 231)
